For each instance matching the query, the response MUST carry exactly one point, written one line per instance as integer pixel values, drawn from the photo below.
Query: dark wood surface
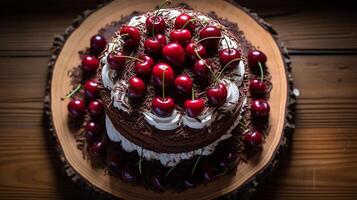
(321, 163)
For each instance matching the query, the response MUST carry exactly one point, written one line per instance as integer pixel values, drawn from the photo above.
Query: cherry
(229, 56)
(113, 162)
(194, 107)
(252, 138)
(200, 68)
(260, 108)
(155, 22)
(174, 54)
(97, 44)
(255, 57)
(163, 107)
(91, 89)
(96, 108)
(210, 31)
(116, 60)
(137, 88)
(92, 130)
(183, 84)
(227, 158)
(143, 67)
(76, 108)
(98, 149)
(257, 88)
(182, 36)
(185, 20)
(217, 94)
(191, 49)
(157, 73)
(129, 175)
(153, 45)
(90, 63)
(157, 182)
(208, 172)
(131, 36)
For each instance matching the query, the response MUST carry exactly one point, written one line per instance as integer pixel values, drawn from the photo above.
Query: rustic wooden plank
(301, 27)
(321, 165)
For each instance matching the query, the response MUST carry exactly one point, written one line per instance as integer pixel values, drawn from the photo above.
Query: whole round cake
(175, 98)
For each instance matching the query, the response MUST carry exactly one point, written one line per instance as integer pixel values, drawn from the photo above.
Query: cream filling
(166, 159)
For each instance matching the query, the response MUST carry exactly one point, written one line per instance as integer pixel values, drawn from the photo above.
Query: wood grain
(33, 32)
(320, 165)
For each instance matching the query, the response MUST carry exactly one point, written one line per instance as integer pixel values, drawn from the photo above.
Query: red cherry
(191, 49)
(253, 138)
(91, 89)
(257, 88)
(153, 45)
(163, 107)
(193, 108)
(129, 175)
(227, 55)
(182, 36)
(255, 57)
(210, 31)
(97, 44)
(137, 88)
(208, 172)
(183, 84)
(183, 19)
(155, 22)
(260, 108)
(157, 182)
(174, 54)
(113, 162)
(217, 95)
(227, 158)
(116, 60)
(201, 70)
(90, 63)
(76, 108)
(98, 149)
(96, 108)
(157, 72)
(143, 68)
(131, 37)
(92, 130)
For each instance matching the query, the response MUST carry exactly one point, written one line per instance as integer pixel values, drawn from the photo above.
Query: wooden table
(321, 37)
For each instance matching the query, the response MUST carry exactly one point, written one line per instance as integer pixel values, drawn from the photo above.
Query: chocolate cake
(175, 98)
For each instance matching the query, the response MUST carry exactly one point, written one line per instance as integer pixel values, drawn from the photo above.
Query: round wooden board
(78, 40)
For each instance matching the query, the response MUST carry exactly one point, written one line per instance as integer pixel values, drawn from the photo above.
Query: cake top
(174, 80)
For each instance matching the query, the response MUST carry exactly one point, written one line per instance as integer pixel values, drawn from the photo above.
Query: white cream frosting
(164, 123)
(176, 119)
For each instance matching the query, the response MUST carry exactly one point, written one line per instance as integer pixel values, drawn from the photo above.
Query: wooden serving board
(255, 31)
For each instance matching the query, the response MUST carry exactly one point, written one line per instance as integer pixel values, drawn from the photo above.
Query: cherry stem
(261, 72)
(74, 91)
(184, 26)
(228, 65)
(133, 58)
(193, 93)
(125, 34)
(209, 68)
(168, 2)
(225, 39)
(170, 170)
(163, 84)
(208, 38)
(244, 126)
(196, 163)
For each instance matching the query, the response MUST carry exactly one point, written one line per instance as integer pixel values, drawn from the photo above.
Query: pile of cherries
(90, 104)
